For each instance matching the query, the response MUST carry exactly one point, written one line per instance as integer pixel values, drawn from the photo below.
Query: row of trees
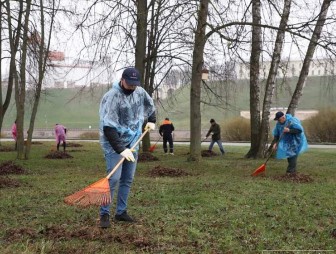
(161, 36)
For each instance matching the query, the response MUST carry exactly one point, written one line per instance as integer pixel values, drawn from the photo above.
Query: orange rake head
(97, 193)
(152, 148)
(259, 170)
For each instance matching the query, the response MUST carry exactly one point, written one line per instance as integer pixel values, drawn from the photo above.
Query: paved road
(330, 146)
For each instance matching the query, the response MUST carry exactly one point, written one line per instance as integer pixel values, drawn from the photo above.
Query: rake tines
(97, 193)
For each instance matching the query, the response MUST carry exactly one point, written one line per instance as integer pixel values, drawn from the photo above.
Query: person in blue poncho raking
(123, 111)
(289, 139)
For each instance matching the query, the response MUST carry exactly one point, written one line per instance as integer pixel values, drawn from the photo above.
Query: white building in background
(318, 67)
(65, 72)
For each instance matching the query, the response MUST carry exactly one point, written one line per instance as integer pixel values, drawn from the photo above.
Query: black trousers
(168, 138)
(292, 164)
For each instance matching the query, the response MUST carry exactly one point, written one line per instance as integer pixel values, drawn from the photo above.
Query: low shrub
(237, 129)
(89, 135)
(321, 127)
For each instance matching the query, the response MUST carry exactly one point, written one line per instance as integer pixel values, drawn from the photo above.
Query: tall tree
(196, 79)
(254, 77)
(309, 56)
(39, 45)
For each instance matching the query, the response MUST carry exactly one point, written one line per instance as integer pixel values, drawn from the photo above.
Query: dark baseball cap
(278, 115)
(132, 76)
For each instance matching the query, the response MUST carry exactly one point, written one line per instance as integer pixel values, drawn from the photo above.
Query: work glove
(128, 155)
(150, 126)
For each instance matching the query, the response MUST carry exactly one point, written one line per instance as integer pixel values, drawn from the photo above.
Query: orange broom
(152, 148)
(97, 193)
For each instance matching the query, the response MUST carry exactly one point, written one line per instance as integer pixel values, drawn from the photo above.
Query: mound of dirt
(147, 157)
(295, 177)
(172, 172)
(93, 233)
(36, 143)
(73, 150)
(58, 155)
(207, 153)
(5, 181)
(73, 145)
(8, 167)
(6, 149)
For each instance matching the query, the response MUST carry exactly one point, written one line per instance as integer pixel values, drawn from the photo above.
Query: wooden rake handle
(122, 159)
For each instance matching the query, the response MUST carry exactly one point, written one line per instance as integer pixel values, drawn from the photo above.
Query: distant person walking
(14, 134)
(60, 132)
(215, 131)
(166, 130)
(289, 139)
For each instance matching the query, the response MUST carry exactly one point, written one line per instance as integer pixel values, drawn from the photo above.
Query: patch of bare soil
(58, 155)
(5, 181)
(295, 177)
(74, 150)
(73, 145)
(147, 157)
(207, 153)
(9, 167)
(333, 233)
(162, 171)
(36, 143)
(7, 149)
(59, 233)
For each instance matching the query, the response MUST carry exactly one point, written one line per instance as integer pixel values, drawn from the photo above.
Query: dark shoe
(123, 217)
(105, 221)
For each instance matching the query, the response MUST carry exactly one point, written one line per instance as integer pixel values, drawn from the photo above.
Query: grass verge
(216, 208)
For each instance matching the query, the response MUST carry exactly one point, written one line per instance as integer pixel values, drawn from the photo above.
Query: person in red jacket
(166, 130)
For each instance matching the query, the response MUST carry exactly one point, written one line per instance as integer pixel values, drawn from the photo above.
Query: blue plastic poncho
(290, 144)
(125, 113)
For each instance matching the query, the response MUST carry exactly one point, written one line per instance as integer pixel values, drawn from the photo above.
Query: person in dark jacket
(166, 130)
(216, 136)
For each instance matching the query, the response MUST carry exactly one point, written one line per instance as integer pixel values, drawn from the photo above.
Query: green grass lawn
(217, 208)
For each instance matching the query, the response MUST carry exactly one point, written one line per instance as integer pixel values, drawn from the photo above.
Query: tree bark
(196, 79)
(20, 85)
(254, 79)
(308, 57)
(270, 84)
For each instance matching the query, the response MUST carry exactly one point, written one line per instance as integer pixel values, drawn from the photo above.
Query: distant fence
(179, 135)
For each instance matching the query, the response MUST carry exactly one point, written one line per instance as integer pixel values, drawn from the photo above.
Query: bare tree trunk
(308, 57)
(20, 85)
(196, 79)
(254, 79)
(13, 44)
(42, 54)
(270, 84)
(140, 54)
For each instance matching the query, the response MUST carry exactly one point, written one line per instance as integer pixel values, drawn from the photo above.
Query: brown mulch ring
(93, 233)
(333, 233)
(9, 167)
(5, 181)
(162, 171)
(296, 178)
(207, 153)
(36, 143)
(58, 155)
(7, 149)
(73, 145)
(73, 150)
(146, 157)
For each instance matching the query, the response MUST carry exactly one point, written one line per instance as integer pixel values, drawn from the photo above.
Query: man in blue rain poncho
(289, 139)
(123, 110)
